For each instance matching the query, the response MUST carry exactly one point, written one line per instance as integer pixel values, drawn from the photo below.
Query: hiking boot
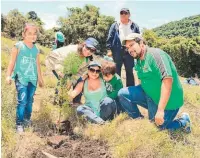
(187, 126)
(19, 129)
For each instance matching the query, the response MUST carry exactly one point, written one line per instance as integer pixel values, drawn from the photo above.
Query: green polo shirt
(156, 66)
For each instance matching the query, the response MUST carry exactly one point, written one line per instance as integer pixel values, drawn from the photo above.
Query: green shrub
(72, 63)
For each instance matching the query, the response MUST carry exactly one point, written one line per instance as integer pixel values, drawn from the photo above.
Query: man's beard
(139, 55)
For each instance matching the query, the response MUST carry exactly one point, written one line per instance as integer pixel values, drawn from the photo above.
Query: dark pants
(59, 44)
(121, 57)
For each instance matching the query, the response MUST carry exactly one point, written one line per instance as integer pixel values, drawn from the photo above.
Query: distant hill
(186, 27)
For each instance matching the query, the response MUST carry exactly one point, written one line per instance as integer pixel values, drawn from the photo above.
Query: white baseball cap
(132, 36)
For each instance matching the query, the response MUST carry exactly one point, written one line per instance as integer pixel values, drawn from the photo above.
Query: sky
(147, 14)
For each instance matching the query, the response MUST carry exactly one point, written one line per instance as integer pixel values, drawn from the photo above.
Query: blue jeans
(107, 111)
(108, 108)
(129, 97)
(24, 101)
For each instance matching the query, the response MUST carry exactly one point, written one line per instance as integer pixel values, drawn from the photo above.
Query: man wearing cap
(160, 91)
(118, 31)
(56, 58)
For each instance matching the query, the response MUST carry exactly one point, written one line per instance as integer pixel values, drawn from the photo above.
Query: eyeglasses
(123, 12)
(94, 70)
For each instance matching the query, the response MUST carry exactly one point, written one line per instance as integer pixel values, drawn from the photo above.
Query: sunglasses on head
(123, 12)
(93, 70)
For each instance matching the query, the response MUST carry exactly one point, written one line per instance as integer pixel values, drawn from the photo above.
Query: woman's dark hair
(80, 49)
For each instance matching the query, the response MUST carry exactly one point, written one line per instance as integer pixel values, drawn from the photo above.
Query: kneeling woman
(98, 107)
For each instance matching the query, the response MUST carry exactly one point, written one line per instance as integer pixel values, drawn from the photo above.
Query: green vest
(157, 65)
(26, 64)
(93, 98)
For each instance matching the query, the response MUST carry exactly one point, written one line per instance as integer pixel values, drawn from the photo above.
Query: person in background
(54, 46)
(59, 38)
(118, 31)
(108, 56)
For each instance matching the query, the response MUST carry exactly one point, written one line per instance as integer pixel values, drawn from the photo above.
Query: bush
(185, 52)
(72, 63)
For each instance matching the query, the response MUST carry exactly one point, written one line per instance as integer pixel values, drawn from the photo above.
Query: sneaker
(187, 126)
(27, 123)
(19, 129)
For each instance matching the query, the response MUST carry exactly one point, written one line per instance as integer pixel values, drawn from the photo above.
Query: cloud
(49, 19)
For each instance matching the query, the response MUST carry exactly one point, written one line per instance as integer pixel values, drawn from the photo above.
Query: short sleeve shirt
(156, 66)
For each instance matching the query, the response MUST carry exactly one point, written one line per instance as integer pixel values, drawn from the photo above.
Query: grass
(50, 82)
(8, 98)
(126, 137)
(140, 138)
(8, 116)
(44, 118)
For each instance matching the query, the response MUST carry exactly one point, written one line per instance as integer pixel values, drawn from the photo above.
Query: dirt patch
(75, 147)
(63, 142)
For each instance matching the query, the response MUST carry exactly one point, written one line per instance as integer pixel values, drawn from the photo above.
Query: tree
(15, 23)
(83, 23)
(185, 52)
(3, 22)
(187, 27)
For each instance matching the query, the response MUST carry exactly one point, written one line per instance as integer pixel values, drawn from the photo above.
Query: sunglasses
(93, 70)
(123, 12)
(90, 49)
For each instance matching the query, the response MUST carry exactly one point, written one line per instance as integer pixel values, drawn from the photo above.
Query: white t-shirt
(124, 30)
(55, 59)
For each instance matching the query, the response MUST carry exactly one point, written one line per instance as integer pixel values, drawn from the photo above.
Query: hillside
(186, 27)
(121, 138)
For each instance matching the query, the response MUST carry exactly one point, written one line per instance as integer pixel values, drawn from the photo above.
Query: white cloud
(49, 19)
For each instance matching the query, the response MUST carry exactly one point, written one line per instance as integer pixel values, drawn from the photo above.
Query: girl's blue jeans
(24, 102)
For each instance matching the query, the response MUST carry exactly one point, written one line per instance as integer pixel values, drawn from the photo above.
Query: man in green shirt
(160, 91)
